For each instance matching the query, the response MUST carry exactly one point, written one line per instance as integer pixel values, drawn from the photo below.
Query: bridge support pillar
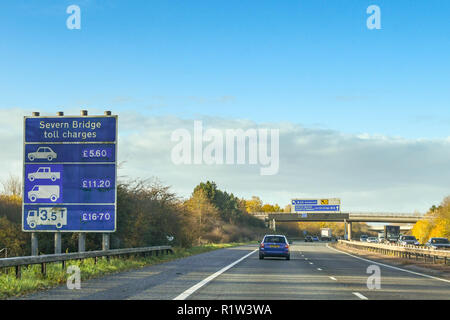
(272, 225)
(349, 230)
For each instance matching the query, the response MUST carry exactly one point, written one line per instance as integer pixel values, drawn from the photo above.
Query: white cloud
(367, 172)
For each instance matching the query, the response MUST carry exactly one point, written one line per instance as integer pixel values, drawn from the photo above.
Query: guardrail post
(18, 273)
(44, 269)
(34, 244)
(349, 231)
(57, 243)
(81, 242)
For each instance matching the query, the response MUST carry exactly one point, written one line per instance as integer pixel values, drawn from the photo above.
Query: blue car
(274, 246)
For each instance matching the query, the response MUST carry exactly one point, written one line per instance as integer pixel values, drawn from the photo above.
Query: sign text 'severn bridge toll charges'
(69, 178)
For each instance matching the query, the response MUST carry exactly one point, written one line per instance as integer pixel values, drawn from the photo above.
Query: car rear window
(439, 240)
(275, 239)
(409, 238)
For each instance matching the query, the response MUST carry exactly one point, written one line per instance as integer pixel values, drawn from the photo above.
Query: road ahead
(314, 272)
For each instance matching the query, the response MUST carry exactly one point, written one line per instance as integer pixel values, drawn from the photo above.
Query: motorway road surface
(315, 271)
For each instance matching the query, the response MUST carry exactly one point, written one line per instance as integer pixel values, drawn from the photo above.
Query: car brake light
(262, 245)
(287, 246)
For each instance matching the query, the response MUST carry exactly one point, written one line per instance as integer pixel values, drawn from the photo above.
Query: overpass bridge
(347, 218)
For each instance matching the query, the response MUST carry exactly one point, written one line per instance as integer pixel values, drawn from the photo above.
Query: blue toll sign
(69, 175)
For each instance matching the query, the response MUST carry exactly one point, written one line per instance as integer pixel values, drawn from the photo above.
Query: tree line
(148, 213)
(435, 224)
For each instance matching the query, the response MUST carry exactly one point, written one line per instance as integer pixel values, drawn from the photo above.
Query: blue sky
(311, 62)
(364, 115)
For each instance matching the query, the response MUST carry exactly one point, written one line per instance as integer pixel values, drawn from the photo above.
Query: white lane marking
(319, 269)
(311, 263)
(333, 278)
(392, 267)
(359, 295)
(194, 288)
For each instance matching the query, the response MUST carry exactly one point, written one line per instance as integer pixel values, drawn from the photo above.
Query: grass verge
(32, 279)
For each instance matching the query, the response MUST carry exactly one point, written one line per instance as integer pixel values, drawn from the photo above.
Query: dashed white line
(194, 288)
(319, 269)
(311, 263)
(359, 295)
(333, 278)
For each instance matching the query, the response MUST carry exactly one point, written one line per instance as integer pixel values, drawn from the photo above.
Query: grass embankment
(32, 279)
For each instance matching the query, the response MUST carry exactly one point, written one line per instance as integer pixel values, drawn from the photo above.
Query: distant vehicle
(44, 192)
(392, 233)
(381, 237)
(44, 173)
(363, 238)
(274, 246)
(408, 240)
(42, 153)
(325, 234)
(308, 239)
(438, 243)
(372, 239)
(48, 217)
(315, 238)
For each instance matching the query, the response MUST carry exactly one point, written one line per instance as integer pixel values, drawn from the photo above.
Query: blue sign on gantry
(69, 174)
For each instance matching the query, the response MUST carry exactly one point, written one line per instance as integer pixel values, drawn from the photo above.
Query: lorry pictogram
(47, 217)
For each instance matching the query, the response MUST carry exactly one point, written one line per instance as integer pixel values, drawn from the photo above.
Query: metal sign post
(69, 174)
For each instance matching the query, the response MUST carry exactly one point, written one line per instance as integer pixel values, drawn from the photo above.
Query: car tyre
(31, 158)
(288, 257)
(31, 178)
(261, 257)
(53, 178)
(49, 158)
(32, 198)
(53, 198)
(59, 225)
(32, 225)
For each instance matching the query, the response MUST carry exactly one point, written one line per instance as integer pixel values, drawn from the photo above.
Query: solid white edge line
(392, 267)
(359, 295)
(194, 288)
